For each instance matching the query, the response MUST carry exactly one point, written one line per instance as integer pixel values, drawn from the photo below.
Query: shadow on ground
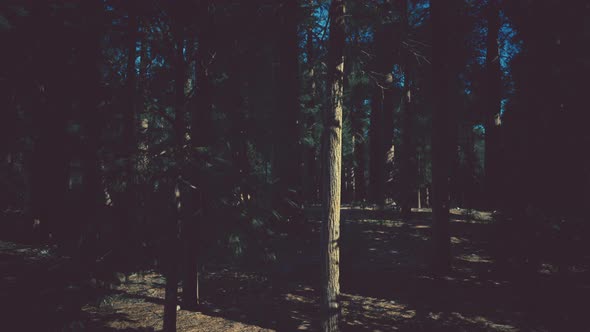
(385, 282)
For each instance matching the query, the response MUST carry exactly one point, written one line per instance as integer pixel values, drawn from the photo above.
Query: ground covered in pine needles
(385, 279)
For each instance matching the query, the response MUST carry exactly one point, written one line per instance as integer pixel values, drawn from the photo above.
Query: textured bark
(330, 308)
(444, 17)
(492, 103)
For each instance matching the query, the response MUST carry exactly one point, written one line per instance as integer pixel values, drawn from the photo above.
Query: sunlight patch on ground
(421, 227)
(482, 321)
(475, 258)
(457, 240)
(384, 222)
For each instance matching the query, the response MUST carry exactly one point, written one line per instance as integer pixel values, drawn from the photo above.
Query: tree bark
(332, 181)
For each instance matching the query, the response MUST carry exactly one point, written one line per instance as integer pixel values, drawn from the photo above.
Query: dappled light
(294, 165)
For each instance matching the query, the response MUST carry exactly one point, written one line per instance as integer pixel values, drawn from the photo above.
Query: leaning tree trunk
(333, 157)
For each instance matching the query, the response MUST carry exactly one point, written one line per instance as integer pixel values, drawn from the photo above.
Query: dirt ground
(385, 283)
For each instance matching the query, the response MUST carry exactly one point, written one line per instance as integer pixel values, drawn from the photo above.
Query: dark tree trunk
(310, 182)
(407, 150)
(92, 122)
(444, 17)
(288, 115)
(171, 267)
(358, 144)
(492, 104)
(50, 165)
(376, 156)
(130, 113)
(382, 109)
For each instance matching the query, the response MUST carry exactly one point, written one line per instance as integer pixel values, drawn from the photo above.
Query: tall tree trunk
(288, 115)
(130, 114)
(332, 187)
(174, 245)
(93, 122)
(201, 137)
(493, 103)
(309, 154)
(382, 108)
(407, 150)
(50, 165)
(444, 16)
(376, 155)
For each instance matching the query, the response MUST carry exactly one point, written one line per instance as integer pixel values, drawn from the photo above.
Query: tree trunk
(309, 154)
(382, 108)
(288, 116)
(444, 17)
(171, 270)
(493, 104)
(130, 115)
(407, 151)
(358, 145)
(332, 187)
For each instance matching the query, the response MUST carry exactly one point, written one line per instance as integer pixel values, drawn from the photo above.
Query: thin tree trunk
(171, 290)
(131, 86)
(358, 145)
(407, 152)
(330, 308)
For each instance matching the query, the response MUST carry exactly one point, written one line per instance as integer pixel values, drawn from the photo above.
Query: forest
(294, 165)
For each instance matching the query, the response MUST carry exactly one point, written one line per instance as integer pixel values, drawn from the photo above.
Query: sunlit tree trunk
(330, 308)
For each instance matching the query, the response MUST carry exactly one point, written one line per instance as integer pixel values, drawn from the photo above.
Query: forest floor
(385, 282)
